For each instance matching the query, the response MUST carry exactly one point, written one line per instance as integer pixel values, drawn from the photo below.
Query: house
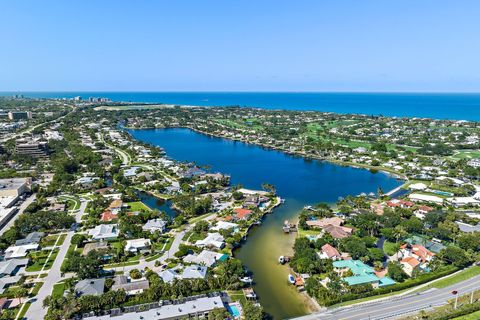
(194, 272)
(418, 252)
(86, 181)
(12, 267)
(33, 237)
(169, 275)
(13, 252)
(338, 232)
(153, 225)
(329, 252)
(108, 216)
(242, 214)
(215, 240)
(465, 227)
(116, 206)
(377, 208)
(362, 273)
(104, 232)
(90, 287)
(224, 225)
(137, 245)
(130, 287)
(399, 203)
(409, 265)
(92, 246)
(422, 211)
(335, 221)
(206, 258)
(418, 197)
(130, 172)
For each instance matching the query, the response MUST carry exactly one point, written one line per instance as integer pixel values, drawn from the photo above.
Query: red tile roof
(107, 215)
(330, 251)
(242, 213)
(411, 261)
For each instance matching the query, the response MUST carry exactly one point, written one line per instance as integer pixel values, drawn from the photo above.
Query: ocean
(456, 106)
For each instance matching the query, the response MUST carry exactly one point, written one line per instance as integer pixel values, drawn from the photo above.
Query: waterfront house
(194, 272)
(338, 232)
(321, 223)
(242, 214)
(214, 240)
(329, 252)
(206, 258)
(362, 273)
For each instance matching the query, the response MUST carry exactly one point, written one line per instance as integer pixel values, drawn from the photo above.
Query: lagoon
(299, 181)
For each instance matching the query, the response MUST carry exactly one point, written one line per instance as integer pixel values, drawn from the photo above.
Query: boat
(282, 200)
(291, 279)
(281, 259)
(307, 207)
(246, 279)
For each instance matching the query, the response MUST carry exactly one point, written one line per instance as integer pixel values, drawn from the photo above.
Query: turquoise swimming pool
(233, 310)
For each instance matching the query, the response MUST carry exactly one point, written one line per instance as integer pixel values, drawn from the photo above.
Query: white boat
(281, 259)
(291, 279)
(246, 280)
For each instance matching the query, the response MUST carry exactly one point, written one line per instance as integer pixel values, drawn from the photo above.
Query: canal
(299, 181)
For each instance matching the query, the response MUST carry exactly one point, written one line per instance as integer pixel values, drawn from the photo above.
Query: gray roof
(464, 227)
(93, 287)
(122, 283)
(194, 272)
(10, 266)
(33, 237)
(176, 310)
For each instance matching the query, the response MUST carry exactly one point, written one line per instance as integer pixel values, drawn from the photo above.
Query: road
(36, 310)
(22, 208)
(395, 307)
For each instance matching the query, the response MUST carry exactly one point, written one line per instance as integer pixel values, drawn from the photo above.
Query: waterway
(299, 181)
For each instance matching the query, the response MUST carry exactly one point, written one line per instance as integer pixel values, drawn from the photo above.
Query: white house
(104, 232)
(137, 245)
(153, 225)
(212, 240)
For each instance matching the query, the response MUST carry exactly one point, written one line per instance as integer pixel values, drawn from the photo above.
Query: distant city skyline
(240, 46)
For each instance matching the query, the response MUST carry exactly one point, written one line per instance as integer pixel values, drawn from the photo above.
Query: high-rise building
(19, 115)
(31, 148)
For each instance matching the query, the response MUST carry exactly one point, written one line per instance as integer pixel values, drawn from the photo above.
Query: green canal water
(299, 181)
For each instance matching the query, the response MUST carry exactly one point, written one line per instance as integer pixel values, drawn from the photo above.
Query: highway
(397, 306)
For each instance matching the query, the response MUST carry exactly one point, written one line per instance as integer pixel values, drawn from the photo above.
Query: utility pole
(471, 297)
(456, 301)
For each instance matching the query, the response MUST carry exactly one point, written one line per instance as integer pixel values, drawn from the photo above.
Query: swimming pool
(233, 310)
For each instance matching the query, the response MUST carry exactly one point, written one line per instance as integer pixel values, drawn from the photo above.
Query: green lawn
(121, 264)
(196, 219)
(62, 239)
(37, 288)
(467, 154)
(461, 276)
(390, 248)
(471, 316)
(49, 240)
(137, 206)
(169, 244)
(58, 290)
(39, 259)
(24, 310)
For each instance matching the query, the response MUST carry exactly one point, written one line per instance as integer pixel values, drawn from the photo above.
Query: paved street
(36, 310)
(397, 306)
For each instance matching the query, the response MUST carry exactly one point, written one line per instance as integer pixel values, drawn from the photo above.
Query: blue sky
(226, 45)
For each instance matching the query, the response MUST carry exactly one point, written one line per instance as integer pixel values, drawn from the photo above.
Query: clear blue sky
(242, 45)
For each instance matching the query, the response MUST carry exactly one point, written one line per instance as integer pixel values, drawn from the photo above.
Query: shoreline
(387, 171)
